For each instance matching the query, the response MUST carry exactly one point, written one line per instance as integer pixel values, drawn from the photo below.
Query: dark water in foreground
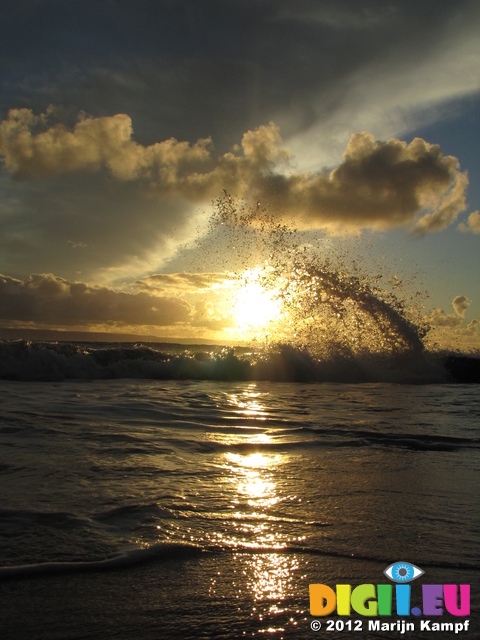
(199, 509)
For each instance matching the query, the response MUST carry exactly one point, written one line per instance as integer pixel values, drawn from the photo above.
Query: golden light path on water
(252, 479)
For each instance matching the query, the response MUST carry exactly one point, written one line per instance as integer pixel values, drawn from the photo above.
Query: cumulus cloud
(472, 224)
(441, 319)
(446, 207)
(378, 185)
(472, 327)
(460, 305)
(31, 148)
(49, 300)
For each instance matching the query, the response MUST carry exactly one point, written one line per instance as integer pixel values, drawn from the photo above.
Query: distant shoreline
(55, 335)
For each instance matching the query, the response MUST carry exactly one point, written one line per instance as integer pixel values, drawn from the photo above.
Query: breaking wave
(53, 361)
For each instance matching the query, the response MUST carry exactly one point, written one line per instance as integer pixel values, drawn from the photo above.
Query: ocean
(164, 491)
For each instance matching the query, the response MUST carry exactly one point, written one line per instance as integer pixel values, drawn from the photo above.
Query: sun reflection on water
(250, 479)
(269, 576)
(247, 403)
(257, 519)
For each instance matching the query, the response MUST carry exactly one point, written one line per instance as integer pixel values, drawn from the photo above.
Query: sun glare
(255, 306)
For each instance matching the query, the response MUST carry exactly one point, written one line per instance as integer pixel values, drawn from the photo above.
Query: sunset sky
(355, 122)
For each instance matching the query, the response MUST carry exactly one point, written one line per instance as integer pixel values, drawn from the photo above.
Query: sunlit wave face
(255, 306)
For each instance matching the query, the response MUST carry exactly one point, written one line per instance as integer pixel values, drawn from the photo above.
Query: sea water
(189, 508)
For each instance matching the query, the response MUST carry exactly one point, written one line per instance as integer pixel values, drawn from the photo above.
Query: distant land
(53, 335)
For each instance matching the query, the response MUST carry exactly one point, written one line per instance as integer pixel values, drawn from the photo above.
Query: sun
(255, 306)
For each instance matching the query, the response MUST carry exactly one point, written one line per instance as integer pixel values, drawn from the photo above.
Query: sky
(123, 123)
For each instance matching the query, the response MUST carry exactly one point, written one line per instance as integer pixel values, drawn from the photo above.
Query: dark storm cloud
(172, 64)
(46, 299)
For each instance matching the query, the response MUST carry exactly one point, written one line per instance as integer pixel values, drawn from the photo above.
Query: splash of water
(327, 309)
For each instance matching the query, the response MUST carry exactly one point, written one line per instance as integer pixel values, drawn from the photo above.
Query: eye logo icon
(403, 572)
